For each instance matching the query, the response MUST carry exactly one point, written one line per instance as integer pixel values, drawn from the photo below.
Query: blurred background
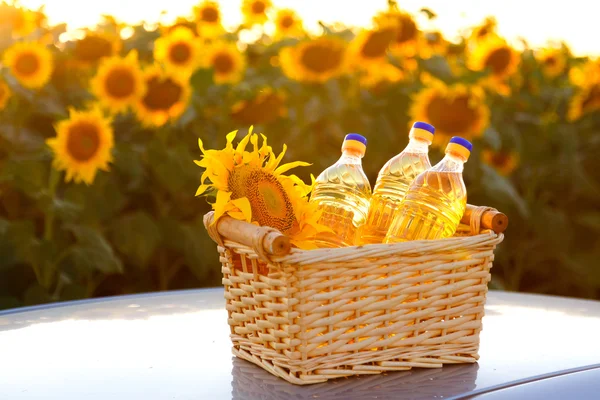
(102, 105)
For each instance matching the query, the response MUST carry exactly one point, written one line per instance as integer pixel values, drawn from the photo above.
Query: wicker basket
(249, 382)
(310, 316)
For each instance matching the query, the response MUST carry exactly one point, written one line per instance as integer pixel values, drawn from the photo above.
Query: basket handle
(484, 217)
(265, 241)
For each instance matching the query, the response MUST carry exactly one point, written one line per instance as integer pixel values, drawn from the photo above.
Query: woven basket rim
(350, 253)
(261, 240)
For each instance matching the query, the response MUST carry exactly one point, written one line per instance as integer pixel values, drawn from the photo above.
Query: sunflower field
(98, 134)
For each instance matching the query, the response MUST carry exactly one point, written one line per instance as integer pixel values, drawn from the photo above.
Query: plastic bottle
(436, 200)
(394, 180)
(343, 192)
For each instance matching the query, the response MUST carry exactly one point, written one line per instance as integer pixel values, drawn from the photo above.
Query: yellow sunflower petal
(30, 63)
(166, 97)
(315, 61)
(245, 208)
(83, 145)
(274, 161)
(230, 136)
(255, 11)
(180, 51)
(286, 167)
(202, 189)
(5, 94)
(208, 19)
(241, 147)
(260, 195)
(287, 24)
(222, 204)
(466, 104)
(118, 83)
(227, 62)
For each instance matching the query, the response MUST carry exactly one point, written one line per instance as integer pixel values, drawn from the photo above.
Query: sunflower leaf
(8, 257)
(201, 80)
(136, 236)
(438, 67)
(492, 138)
(128, 162)
(499, 187)
(173, 170)
(192, 241)
(101, 202)
(93, 251)
(21, 234)
(36, 294)
(28, 175)
(430, 14)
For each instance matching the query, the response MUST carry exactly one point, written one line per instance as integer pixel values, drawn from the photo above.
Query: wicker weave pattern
(315, 315)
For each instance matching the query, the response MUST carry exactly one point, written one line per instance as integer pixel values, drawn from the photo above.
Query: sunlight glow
(538, 23)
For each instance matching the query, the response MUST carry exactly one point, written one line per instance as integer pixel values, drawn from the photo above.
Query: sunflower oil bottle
(394, 180)
(342, 192)
(435, 201)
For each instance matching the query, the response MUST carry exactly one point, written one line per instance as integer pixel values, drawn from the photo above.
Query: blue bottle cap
(425, 126)
(357, 137)
(463, 142)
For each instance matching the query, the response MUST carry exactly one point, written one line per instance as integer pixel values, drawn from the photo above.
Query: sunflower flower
(585, 101)
(264, 108)
(30, 63)
(227, 62)
(180, 22)
(22, 22)
(94, 46)
(582, 74)
(179, 51)
(487, 28)
(252, 186)
(314, 61)
(378, 76)
(495, 55)
(5, 94)
(456, 110)
(406, 40)
(553, 61)
(433, 43)
(208, 19)
(119, 83)
(82, 145)
(165, 99)
(371, 46)
(287, 24)
(255, 11)
(505, 162)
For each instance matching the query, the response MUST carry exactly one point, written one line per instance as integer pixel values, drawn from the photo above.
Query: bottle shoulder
(449, 164)
(405, 165)
(441, 182)
(347, 175)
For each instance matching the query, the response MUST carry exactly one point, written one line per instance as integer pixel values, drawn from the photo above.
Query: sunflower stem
(53, 180)
(163, 135)
(38, 274)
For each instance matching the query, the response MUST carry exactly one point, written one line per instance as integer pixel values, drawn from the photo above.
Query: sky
(539, 22)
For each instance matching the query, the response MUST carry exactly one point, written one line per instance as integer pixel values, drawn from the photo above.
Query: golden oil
(435, 201)
(393, 182)
(343, 192)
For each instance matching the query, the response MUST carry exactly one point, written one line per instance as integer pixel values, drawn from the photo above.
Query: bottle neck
(350, 156)
(416, 145)
(452, 162)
